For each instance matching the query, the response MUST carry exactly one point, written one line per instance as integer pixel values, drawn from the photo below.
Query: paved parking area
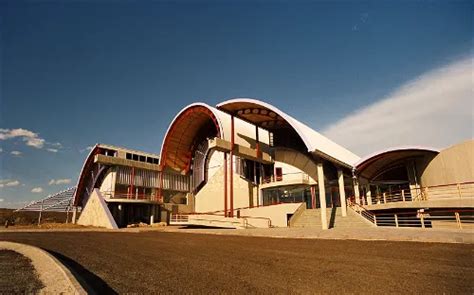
(196, 263)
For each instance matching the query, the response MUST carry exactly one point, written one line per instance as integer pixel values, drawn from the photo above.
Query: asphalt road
(190, 263)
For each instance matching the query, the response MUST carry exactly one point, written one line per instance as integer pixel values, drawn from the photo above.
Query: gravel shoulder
(17, 274)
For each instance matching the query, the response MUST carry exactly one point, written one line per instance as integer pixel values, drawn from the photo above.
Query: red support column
(313, 197)
(257, 144)
(225, 184)
(132, 181)
(231, 166)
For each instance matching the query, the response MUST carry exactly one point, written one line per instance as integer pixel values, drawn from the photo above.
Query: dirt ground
(17, 274)
(193, 263)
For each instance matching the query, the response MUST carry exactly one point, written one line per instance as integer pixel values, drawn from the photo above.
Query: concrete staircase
(312, 218)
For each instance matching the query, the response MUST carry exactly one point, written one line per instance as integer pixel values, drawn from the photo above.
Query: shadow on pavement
(88, 280)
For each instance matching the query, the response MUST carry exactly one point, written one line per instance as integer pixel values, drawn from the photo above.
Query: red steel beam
(225, 184)
(232, 166)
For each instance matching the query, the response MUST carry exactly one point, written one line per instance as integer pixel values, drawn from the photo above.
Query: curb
(54, 275)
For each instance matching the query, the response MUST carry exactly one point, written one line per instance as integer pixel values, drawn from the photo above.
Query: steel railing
(362, 211)
(427, 193)
(296, 176)
(456, 218)
(131, 196)
(241, 220)
(459, 218)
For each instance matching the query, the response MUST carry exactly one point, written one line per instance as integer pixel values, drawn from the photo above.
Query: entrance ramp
(212, 220)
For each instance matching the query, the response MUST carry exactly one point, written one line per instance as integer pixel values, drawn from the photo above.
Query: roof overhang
(372, 164)
(269, 117)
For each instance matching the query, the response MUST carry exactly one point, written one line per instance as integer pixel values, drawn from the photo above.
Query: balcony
(294, 178)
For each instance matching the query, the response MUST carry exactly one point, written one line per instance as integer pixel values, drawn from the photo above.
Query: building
(245, 163)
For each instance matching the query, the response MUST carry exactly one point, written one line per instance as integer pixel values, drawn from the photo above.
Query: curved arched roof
(81, 182)
(267, 116)
(191, 122)
(370, 165)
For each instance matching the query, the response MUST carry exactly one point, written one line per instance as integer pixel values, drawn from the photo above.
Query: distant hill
(28, 217)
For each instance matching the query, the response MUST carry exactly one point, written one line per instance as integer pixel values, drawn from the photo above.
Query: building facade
(245, 163)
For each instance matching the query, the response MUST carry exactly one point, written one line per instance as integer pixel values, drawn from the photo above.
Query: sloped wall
(96, 212)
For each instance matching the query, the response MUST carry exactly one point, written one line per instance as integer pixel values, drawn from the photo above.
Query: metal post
(375, 219)
(67, 214)
(231, 166)
(403, 195)
(132, 181)
(385, 198)
(41, 211)
(422, 219)
(396, 219)
(458, 219)
(225, 184)
(459, 190)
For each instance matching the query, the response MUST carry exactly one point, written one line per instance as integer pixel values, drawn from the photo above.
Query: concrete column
(342, 193)
(356, 191)
(368, 195)
(322, 196)
(74, 214)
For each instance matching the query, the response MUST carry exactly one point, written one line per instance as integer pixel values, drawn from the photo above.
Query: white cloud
(86, 149)
(59, 181)
(29, 137)
(1, 200)
(8, 183)
(1, 150)
(16, 153)
(435, 109)
(37, 190)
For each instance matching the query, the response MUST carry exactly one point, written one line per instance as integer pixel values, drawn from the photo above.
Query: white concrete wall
(96, 212)
(293, 161)
(211, 196)
(215, 162)
(108, 185)
(277, 213)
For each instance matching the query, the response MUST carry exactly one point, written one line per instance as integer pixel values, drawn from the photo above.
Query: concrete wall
(108, 184)
(277, 213)
(451, 165)
(211, 196)
(296, 161)
(96, 212)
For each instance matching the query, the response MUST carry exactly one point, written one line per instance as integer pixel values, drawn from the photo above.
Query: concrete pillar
(356, 191)
(342, 193)
(74, 215)
(322, 196)
(368, 195)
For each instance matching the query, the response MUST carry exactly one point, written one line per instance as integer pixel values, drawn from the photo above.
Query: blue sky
(74, 73)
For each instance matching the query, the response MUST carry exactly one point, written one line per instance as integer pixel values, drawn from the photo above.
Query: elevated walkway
(312, 218)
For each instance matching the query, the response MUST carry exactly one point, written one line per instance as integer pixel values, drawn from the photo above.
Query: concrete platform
(373, 233)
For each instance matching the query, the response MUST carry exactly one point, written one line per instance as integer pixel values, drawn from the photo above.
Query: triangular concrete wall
(96, 212)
